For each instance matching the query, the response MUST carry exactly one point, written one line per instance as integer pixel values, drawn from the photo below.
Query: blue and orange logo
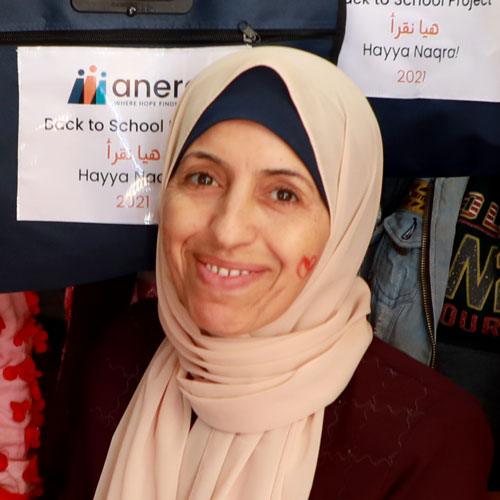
(86, 90)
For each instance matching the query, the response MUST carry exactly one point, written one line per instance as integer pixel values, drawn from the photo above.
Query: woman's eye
(283, 194)
(202, 179)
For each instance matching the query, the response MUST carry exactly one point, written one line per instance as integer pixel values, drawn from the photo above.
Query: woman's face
(243, 225)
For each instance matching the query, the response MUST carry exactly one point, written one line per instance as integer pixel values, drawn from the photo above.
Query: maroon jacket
(402, 431)
(398, 431)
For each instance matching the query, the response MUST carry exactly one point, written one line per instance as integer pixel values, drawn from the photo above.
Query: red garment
(402, 431)
(398, 431)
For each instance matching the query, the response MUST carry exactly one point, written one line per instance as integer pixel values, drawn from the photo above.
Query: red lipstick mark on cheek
(306, 265)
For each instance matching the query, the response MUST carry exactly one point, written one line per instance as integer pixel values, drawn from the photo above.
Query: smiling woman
(241, 213)
(269, 383)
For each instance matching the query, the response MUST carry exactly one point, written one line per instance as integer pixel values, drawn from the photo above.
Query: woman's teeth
(223, 271)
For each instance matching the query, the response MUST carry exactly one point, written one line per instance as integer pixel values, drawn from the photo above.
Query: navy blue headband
(260, 95)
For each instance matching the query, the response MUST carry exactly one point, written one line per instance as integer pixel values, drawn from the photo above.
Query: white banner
(93, 125)
(442, 49)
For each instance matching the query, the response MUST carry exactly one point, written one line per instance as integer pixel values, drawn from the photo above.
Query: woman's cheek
(181, 216)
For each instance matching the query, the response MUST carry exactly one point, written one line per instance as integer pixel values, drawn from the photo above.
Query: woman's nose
(233, 221)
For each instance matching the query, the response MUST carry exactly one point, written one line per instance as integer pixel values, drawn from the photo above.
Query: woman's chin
(227, 330)
(220, 322)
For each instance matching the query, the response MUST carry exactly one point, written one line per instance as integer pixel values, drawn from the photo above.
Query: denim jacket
(393, 272)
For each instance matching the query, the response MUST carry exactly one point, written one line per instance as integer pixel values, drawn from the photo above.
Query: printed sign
(93, 125)
(442, 49)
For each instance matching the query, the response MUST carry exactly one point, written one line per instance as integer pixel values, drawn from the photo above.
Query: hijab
(260, 397)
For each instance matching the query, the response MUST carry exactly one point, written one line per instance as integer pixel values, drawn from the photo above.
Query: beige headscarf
(259, 397)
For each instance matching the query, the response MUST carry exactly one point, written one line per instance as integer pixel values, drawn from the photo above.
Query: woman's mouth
(227, 275)
(224, 271)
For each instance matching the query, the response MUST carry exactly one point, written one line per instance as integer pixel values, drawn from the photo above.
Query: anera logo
(87, 90)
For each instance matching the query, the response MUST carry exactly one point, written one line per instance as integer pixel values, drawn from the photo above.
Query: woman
(269, 383)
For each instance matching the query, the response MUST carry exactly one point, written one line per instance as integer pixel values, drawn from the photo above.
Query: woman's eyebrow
(203, 155)
(286, 171)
